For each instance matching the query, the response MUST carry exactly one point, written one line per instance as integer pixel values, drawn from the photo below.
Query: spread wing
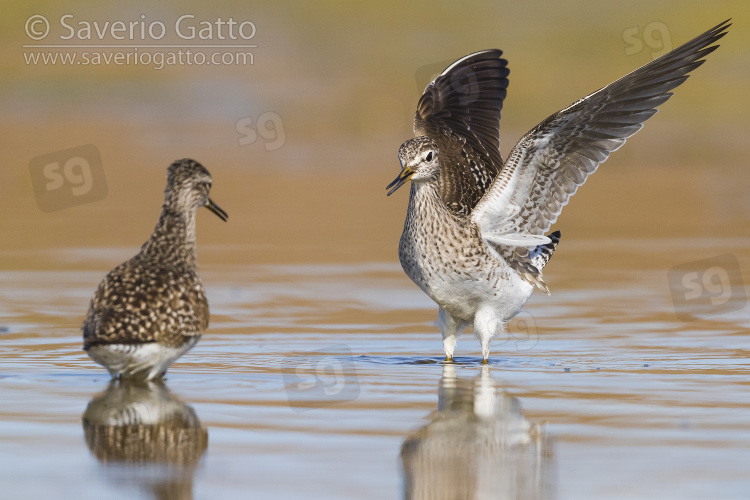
(460, 110)
(550, 162)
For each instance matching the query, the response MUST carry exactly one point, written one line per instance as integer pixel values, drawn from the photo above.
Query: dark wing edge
(460, 110)
(551, 161)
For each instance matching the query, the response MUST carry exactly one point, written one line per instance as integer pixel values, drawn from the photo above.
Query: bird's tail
(529, 266)
(543, 253)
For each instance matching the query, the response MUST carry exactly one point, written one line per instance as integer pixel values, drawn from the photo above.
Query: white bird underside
(146, 361)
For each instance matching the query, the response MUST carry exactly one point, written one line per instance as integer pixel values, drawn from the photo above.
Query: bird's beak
(399, 181)
(221, 214)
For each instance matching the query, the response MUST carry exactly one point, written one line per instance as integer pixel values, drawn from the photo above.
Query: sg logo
(68, 178)
(707, 287)
(463, 85)
(269, 126)
(332, 379)
(655, 36)
(523, 330)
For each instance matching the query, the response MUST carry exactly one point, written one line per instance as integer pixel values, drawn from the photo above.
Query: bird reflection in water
(477, 445)
(145, 436)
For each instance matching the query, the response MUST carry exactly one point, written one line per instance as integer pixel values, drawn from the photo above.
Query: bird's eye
(429, 156)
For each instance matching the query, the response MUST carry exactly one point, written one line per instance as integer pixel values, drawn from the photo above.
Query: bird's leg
(486, 324)
(450, 327)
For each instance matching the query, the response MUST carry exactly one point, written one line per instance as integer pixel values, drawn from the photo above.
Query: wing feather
(551, 161)
(460, 110)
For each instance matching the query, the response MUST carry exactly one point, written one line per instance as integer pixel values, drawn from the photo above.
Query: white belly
(447, 259)
(138, 361)
(504, 292)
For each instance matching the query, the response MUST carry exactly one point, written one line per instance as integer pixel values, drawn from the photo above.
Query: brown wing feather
(460, 110)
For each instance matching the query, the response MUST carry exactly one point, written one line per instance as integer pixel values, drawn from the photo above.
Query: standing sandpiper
(473, 238)
(150, 310)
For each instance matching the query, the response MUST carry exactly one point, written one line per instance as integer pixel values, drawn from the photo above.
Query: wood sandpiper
(474, 238)
(150, 310)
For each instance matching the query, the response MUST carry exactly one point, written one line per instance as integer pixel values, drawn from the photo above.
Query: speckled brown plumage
(144, 300)
(157, 296)
(474, 238)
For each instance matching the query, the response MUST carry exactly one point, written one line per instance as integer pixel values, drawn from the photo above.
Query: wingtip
(717, 32)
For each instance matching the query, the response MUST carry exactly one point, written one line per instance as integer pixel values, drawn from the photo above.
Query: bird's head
(188, 186)
(419, 162)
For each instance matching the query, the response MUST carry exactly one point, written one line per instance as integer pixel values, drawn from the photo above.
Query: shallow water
(326, 381)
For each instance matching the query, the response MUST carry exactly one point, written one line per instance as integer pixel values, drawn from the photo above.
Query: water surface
(326, 381)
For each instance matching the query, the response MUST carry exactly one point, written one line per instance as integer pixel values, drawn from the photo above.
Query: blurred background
(301, 139)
